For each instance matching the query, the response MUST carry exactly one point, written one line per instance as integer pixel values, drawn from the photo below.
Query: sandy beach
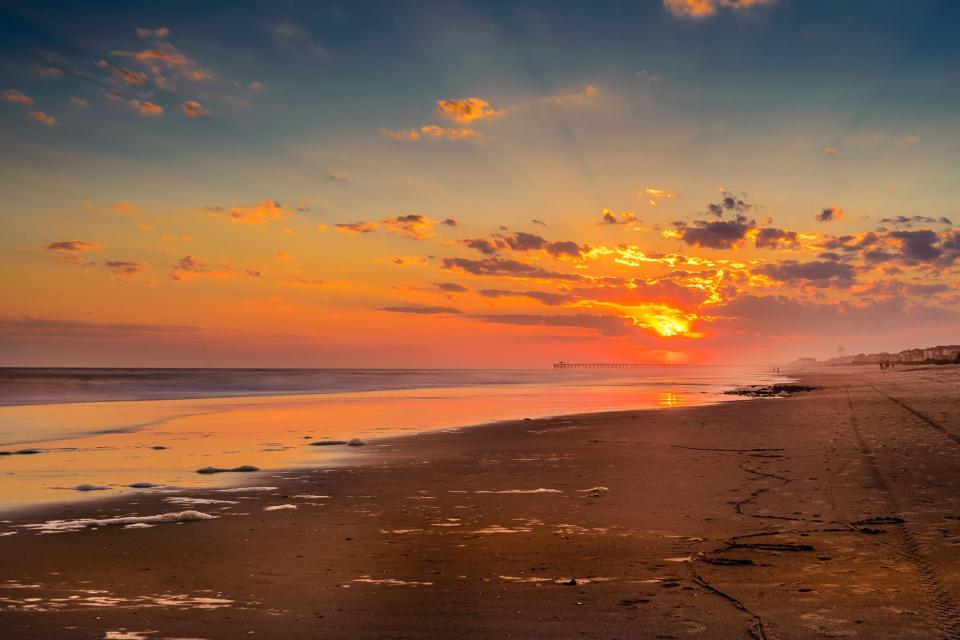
(833, 513)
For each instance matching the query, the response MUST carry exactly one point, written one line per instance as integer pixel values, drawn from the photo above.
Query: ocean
(74, 434)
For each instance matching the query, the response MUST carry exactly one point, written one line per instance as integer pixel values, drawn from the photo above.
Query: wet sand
(829, 514)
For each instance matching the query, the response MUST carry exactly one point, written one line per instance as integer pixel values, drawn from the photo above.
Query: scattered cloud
(831, 152)
(79, 103)
(188, 268)
(909, 221)
(302, 282)
(431, 132)
(15, 96)
(816, 272)
(296, 39)
(124, 208)
(78, 246)
(337, 176)
(414, 225)
(544, 297)
(466, 110)
(130, 77)
(423, 310)
(152, 34)
(193, 109)
(771, 238)
(828, 214)
(607, 325)
(707, 8)
(43, 118)
(122, 269)
(505, 268)
(263, 211)
(654, 195)
(610, 217)
(166, 64)
(451, 287)
(588, 95)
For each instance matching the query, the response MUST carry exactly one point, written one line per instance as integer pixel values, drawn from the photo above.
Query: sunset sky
(477, 184)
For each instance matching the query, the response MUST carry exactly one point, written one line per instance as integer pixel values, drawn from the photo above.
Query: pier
(563, 366)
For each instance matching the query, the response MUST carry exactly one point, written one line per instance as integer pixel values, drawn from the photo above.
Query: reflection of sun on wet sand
(831, 513)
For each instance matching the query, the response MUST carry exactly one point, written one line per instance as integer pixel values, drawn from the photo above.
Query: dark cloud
(523, 241)
(545, 297)
(80, 246)
(539, 222)
(124, 268)
(450, 222)
(484, 245)
(610, 217)
(770, 238)
(715, 234)
(904, 221)
(830, 213)
(507, 268)
(451, 287)
(604, 325)
(816, 272)
(425, 310)
(920, 245)
(729, 204)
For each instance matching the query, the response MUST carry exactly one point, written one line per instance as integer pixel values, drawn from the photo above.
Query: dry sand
(829, 514)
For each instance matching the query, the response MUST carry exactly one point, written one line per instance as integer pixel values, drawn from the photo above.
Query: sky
(476, 184)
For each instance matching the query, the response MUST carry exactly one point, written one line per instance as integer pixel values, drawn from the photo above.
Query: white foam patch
(8, 533)
(309, 496)
(187, 502)
(123, 634)
(62, 526)
(540, 490)
(280, 507)
(391, 582)
(86, 599)
(496, 528)
(139, 525)
(243, 489)
(524, 579)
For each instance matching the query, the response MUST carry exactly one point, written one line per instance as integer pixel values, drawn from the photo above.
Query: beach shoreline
(826, 513)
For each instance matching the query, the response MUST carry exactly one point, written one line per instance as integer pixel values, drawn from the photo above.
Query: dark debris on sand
(770, 390)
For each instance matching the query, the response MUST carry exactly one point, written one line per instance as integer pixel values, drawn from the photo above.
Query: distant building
(931, 355)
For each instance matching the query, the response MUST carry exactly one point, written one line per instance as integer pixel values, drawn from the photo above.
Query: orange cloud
(431, 131)
(193, 109)
(259, 213)
(128, 76)
(79, 103)
(43, 118)
(707, 8)
(125, 207)
(188, 268)
(166, 59)
(15, 96)
(413, 225)
(464, 110)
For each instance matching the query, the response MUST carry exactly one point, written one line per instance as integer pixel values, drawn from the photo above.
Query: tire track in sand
(940, 606)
